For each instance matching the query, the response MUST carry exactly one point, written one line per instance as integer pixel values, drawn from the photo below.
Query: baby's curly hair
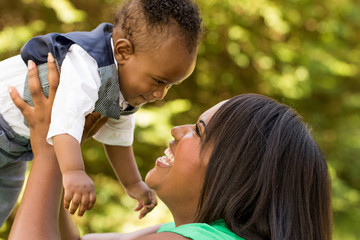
(146, 22)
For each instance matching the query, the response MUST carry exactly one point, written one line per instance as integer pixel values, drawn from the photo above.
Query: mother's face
(178, 176)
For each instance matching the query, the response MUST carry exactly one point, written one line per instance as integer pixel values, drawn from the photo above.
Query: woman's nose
(179, 131)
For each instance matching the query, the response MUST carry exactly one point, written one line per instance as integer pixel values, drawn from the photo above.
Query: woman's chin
(149, 178)
(155, 177)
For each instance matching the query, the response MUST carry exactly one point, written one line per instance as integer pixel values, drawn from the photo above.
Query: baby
(112, 70)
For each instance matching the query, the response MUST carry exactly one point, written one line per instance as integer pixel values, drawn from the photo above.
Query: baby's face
(147, 76)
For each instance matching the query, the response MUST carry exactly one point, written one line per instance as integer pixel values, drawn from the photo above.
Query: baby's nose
(160, 93)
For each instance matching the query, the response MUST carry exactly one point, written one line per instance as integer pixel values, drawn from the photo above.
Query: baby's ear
(123, 49)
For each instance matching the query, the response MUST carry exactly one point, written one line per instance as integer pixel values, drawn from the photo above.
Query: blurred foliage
(303, 53)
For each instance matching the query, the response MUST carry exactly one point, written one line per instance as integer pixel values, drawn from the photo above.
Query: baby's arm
(79, 188)
(123, 162)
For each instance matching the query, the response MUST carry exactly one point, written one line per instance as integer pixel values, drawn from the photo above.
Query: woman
(248, 169)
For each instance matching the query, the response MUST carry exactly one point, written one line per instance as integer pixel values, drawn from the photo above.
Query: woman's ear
(123, 49)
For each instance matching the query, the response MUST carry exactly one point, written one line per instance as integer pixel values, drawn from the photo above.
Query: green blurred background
(304, 53)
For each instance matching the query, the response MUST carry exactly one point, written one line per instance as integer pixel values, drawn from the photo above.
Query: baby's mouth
(168, 159)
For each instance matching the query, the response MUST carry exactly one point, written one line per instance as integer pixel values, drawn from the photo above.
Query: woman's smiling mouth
(167, 160)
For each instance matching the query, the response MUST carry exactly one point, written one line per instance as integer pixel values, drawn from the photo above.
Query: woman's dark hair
(145, 22)
(266, 176)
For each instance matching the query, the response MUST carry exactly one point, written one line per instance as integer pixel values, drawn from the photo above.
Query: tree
(300, 52)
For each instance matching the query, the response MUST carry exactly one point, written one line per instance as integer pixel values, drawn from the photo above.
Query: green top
(198, 231)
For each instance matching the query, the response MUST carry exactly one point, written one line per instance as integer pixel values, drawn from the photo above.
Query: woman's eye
(197, 130)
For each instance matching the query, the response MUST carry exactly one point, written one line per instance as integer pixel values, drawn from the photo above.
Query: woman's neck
(183, 213)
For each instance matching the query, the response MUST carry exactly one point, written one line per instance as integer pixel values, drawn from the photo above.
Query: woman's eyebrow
(203, 123)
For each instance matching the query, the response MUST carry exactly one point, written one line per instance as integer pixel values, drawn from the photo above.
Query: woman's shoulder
(215, 230)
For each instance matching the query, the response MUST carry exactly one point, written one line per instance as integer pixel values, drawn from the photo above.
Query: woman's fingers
(19, 102)
(34, 84)
(53, 76)
(36, 92)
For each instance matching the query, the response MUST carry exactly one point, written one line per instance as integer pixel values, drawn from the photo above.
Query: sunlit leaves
(154, 123)
(21, 34)
(65, 11)
(302, 52)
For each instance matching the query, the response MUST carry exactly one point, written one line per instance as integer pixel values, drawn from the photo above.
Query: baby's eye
(159, 81)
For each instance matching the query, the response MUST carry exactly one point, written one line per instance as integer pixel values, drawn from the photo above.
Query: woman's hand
(41, 199)
(38, 117)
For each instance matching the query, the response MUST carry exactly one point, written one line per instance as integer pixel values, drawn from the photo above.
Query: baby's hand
(144, 195)
(79, 189)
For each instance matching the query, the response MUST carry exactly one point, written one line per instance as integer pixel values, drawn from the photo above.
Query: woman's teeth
(169, 155)
(168, 159)
(164, 161)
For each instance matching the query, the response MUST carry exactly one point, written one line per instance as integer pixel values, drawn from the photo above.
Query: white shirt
(75, 98)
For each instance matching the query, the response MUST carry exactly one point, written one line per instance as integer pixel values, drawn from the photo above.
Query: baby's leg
(15, 150)
(12, 175)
